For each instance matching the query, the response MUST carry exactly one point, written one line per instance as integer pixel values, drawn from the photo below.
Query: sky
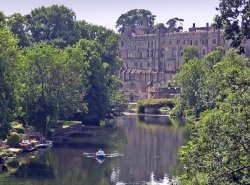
(106, 12)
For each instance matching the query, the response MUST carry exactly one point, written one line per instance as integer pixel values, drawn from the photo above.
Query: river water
(142, 150)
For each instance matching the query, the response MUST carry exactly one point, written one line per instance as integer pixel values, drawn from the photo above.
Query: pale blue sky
(106, 12)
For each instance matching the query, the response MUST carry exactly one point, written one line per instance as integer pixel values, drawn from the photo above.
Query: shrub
(13, 140)
(14, 123)
(157, 103)
(19, 128)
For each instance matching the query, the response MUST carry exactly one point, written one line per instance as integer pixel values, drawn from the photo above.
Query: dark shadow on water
(80, 135)
(35, 171)
(82, 145)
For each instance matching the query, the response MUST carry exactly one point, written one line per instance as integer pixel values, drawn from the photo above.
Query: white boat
(100, 154)
(45, 144)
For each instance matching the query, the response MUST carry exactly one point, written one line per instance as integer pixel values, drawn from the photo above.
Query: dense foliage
(13, 140)
(133, 18)
(174, 25)
(216, 89)
(55, 67)
(9, 56)
(234, 19)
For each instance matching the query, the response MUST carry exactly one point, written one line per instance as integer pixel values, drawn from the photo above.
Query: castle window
(152, 44)
(140, 64)
(122, 43)
(177, 41)
(181, 52)
(202, 42)
(191, 43)
(148, 44)
(174, 52)
(147, 53)
(170, 42)
(184, 42)
(162, 53)
(203, 52)
(152, 53)
(206, 41)
(136, 64)
(214, 41)
(130, 55)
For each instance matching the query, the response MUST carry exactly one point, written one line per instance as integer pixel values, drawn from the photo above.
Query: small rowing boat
(100, 154)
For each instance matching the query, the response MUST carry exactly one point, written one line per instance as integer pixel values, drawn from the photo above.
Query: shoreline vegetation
(62, 69)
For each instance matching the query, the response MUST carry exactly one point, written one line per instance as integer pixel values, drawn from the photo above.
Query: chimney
(193, 25)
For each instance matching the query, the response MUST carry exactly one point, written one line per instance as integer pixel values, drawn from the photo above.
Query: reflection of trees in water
(150, 148)
(40, 167)
(73, 168)
(147, 148)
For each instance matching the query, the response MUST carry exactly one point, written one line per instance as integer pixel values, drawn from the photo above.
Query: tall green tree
(174, 25)
(133, 18)
(49, 87)
(234, 20)
(190, 79)
(19, 26)
(55, 24)
(190, 52)
(9, 56)
(2, 19)
(95, 96)
(218, 149)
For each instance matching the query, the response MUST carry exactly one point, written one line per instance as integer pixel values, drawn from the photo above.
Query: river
(147, 148)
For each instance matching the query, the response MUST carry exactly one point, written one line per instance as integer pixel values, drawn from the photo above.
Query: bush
(19, 128)
(13, 140)
(157, 103)
(14, 123)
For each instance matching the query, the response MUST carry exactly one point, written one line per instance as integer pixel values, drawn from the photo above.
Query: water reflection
(152, 146)
(149, 146)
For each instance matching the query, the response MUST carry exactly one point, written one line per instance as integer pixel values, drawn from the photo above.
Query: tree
(2, 19)
(218, 149)
(95, 95)
(174, 25)
(234, 20)
(133, 18)
(9, 56)
(49, 87)
(189, 79)
(19, 26)
(190, 52)
(55, 24)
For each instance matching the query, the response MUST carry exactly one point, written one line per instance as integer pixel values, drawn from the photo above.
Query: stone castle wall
(151, 59)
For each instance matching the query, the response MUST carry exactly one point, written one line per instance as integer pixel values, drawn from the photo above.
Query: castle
(150, 59)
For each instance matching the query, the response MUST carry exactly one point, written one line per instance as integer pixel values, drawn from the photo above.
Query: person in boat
(100, 153)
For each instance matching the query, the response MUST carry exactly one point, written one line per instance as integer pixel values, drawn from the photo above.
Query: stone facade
(150, 59)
